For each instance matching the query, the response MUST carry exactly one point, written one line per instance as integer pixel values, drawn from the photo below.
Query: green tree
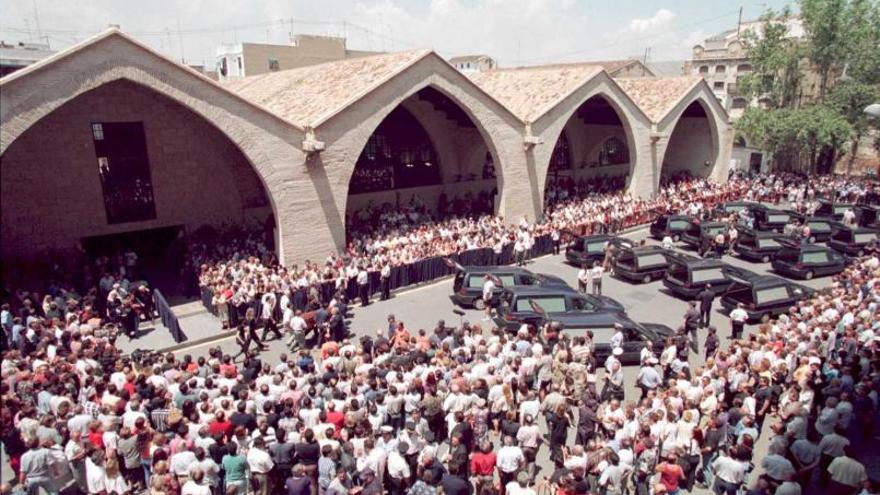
(849, 99)
(863, 59)
(775, 59)
(826, 23)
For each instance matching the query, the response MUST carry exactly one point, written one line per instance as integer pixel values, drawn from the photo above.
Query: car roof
(596, 237)
(758, 233)
(740, 203)
(712, 224)
(495, 269)
(857, 230)
(764, 281)
(835, 203)
(647, 249)
(600, 319)
(539, 291)
(693, 261)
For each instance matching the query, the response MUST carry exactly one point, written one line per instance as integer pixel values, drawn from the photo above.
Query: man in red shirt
(483, 466)
(220, 425)
(670, 473)
(334, 417)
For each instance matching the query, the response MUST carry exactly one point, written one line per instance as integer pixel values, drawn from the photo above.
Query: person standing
(363, 283)
(385, 280)
(596, 278)
(692, 319)
(270, 324)
(488, 294)
(556, 238)
(260, 465)
(583, 277)
(35, 469)
(738, 319)
(706, 297)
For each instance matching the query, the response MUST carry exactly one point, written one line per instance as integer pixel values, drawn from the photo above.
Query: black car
(820, 227)
(671, 225)
(868, 216)
(754, 245)
(805, 260)
(641, 264)
(634, 336)
(725, 210)
(831, 209)
(535, 305)
(763, 295)
(687, 276)
(467, 288)
(591, 248)
(852, 241)
(696, 231)
(769, 219)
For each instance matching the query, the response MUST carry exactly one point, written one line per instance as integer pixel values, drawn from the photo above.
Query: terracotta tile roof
(307, 96)
(529, 92)
(657, 95)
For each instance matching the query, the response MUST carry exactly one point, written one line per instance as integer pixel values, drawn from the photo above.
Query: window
(550, 304)
(596, 247)
(841, 209)
(124, 170)
(678, 271)
(561, 159)
(581, 304)
(704, 69)
(777, 218)
(720, 69)
(739, 103)
(274, 65)
(506, 280)
(678, 224)
(819, 226)
(789, 255)
(865, 237)
(768, 243)
(718, 85)
(602, 335)
(706, 275)
(238, 60)
(743, 68)
(771, 294)
(817, 257)
(713, 231)
(614, 152)
(656, 259)
(841, 235)
(740, 293)
(98, 132)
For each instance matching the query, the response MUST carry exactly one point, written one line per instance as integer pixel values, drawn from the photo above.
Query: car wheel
(812, 238)
(675, 237)
(765, 259)
(860, 253)
(809, 275)
(479, 304)
(646, 279)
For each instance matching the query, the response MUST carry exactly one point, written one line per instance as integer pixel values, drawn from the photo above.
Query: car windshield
(768, 243)
(679, 271)
(678, 224)
(550, 304)
(777, 218)
(819, 226)
(651, 259)
(706, 275)
(865, 237)
(771, 294)
(817, 257)
(715, 230)
(734, 208)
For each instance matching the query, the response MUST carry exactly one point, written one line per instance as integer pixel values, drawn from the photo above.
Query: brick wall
(52, 192)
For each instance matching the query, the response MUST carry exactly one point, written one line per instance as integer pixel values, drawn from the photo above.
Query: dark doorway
(755, 160)
(160, 254)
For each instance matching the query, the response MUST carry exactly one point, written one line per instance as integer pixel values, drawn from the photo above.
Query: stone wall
(690, 147)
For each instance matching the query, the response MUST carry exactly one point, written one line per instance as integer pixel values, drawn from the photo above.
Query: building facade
(140, 143)
(251, 59)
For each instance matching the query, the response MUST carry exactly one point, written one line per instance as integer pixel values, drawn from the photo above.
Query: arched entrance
(425, 161)
(592, 154)
(123, 165)
(693, 146)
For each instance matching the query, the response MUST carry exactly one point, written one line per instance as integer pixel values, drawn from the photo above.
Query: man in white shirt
(260, 463)
(398, 468)
(509, 460)
(738, 318)
(596, 278)
(488, 290)
(583, 277)
(194, 486)
(363, 282)
(298, 327)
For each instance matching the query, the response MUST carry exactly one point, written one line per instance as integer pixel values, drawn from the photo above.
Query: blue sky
(515, 32)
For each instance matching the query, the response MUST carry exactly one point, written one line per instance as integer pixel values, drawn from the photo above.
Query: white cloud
(660, 20)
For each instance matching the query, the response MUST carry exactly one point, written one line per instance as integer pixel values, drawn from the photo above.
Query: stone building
(111, 138)
(473, 63)
(251, 59)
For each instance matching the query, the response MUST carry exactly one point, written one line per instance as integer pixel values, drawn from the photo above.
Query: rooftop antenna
(739, 20)
(180, 42)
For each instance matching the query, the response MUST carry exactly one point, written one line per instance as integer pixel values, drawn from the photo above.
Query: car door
(633, 343)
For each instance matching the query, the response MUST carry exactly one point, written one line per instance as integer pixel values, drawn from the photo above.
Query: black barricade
(167, 317)
(420, 271)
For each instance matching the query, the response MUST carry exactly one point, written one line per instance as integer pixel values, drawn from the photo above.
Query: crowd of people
(452, 410)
